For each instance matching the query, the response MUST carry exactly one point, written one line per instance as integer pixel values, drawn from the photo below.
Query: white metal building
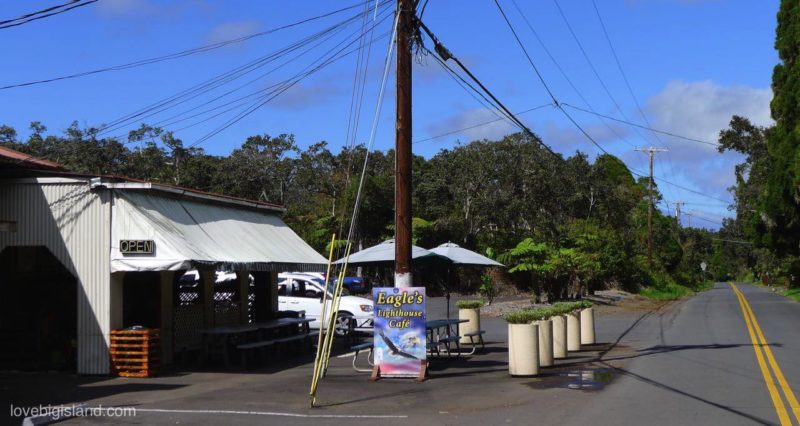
(122, 241)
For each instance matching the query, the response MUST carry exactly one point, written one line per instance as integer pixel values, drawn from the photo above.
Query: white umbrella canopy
(384, 252)
(464, 257)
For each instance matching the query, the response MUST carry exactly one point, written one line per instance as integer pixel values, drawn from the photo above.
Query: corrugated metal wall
(73, 222)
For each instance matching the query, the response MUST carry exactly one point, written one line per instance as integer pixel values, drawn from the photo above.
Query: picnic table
(444, 332)
(255, 335)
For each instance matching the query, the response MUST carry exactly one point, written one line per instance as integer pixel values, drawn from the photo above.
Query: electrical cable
(46, 15)
(181, 54)
(479, 124)
(664, 132)
(445, 54)
(215, 82)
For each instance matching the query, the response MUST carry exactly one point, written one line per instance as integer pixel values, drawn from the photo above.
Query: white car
(304, 292)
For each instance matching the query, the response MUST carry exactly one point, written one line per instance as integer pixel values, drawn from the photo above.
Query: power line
(578, 126)
(594, 69)
(689, 189)
(183, 53)
(28, 15)
(544, 83)
(284, 85)
(704, 219)
(262, 92)
(485, 123)
(664, 132)
(629, 87)
(561, 69)
(231, 75)
(621, 70)
(445, 54)
(530, 61)
(471, 90)
(35, 16)
(288, 84)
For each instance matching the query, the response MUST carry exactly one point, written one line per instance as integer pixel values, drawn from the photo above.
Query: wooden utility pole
(402, 192)
(678, 205)
(650, 151)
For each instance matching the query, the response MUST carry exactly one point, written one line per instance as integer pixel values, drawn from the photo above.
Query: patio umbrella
(462, 257)
(384, 252)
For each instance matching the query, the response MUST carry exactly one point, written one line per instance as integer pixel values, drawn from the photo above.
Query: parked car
(304, 292)
(355, 285)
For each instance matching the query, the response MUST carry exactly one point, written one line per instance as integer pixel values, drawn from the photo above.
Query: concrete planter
(545, 343)
(474, 323)
(587, 326)
(573, 331)
(559, 336)
(523, 349)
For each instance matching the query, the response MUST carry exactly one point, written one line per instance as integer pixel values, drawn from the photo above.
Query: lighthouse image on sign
(399, 330)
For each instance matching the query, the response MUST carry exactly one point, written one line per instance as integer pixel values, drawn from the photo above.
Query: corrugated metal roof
(15, 159)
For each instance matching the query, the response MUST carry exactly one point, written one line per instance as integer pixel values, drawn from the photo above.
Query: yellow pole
(317, 361)
(335, 310)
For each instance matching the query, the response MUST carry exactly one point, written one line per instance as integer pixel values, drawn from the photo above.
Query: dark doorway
(141, 299)
(38, 311)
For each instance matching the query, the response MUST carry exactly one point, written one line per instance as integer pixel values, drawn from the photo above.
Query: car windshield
(321, 283)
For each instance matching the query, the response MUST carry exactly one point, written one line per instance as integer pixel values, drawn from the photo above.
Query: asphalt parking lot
(463, 390)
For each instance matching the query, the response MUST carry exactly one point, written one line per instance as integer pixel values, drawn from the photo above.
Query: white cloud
(700, 110)
(231, 30)
(301, 96)
(116, 8)
(570, 139)
(469, 118)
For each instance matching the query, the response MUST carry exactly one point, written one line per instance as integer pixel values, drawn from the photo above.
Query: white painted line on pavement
(271, 413)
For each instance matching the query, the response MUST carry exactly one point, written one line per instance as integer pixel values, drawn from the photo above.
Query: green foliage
(792, 293)
(487, 288)
(668, 292)
(469, 304)
(663, 288)
(522, 316)
(527, 315)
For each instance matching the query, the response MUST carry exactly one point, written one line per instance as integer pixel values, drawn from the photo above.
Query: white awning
(189, 234)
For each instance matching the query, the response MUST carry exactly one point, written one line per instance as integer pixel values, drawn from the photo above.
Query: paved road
(697, 365)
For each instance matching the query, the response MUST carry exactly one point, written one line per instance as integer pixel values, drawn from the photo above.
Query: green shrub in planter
(521, 316)
(567, 307)
(469, 304)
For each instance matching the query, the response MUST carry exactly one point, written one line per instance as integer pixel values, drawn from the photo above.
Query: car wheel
(343, 323)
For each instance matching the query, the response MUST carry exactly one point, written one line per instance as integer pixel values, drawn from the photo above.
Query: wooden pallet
(135, 353)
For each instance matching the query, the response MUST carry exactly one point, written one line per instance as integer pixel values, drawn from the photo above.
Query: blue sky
(691, 65)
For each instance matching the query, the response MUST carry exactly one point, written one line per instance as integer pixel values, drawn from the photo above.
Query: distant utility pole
(402, 191)
(650, 151)
(678, 205)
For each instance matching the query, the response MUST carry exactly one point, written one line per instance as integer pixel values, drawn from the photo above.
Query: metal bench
(358, 348)
(472, 336)
(434, 346)
(245, 348)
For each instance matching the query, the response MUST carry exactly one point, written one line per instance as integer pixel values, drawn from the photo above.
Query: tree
(780, 203)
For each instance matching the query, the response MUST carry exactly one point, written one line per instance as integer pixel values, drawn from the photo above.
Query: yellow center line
(787, 390)
(780, 408)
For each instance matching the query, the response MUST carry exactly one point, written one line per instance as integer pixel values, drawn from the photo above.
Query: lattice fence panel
(186, 326)
(226, 310)
(251, 307)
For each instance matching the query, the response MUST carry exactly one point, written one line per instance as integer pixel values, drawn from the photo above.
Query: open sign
(137, 246)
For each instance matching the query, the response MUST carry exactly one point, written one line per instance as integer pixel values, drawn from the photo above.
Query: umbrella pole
(447, 294)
